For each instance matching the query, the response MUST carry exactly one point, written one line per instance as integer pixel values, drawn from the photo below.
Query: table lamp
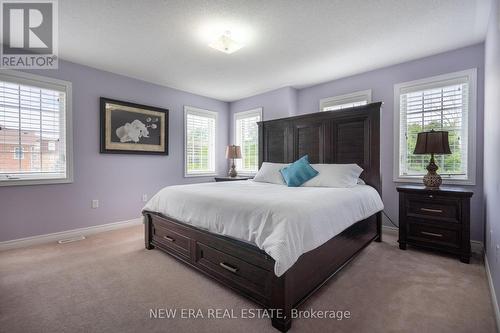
(233, 152)
(433, 142)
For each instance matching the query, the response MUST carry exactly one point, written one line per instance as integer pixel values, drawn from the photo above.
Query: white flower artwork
(133, 128)
(134, 131)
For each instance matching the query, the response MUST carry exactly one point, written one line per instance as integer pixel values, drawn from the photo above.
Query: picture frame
(130, 128)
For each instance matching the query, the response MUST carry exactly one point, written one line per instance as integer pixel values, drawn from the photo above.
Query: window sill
(246, 174)
(191, 175)
(24, 182)
(418, 180)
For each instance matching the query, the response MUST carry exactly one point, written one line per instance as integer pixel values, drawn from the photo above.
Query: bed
(201, 224)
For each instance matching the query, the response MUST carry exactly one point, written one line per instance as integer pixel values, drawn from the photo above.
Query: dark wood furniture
(231, 179)
(435, 219)
(346, 136)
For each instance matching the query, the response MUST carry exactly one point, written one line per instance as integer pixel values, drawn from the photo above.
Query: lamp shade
(433, 142)
(233, 151)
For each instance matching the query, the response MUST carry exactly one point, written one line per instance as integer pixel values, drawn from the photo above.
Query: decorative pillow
(270, 173)
(335, 175)
(298, 172)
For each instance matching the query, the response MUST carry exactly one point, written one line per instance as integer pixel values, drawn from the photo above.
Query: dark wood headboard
(346, 136)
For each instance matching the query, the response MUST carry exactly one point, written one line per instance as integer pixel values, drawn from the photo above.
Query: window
(19, 153)
(346, 101)
(35, 129)
(247, 137)
(35, 158)
(445, 102)
(200, 128)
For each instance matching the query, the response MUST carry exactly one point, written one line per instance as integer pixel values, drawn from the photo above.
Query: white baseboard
(54, 237)
(494, 300)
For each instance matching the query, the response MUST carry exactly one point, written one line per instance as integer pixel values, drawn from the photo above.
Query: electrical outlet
(144, 198)
(95, 203)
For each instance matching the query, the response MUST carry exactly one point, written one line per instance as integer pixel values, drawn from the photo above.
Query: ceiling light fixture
(226, 43)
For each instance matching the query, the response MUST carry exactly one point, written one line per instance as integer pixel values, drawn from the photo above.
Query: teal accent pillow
(298, 172)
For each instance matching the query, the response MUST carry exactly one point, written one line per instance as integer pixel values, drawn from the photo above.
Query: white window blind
(33, 144)
(200, 129)
(344, 106)
(345, 101)
(247, 137)
(432, 104)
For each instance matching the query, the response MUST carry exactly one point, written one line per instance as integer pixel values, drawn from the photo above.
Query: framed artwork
(129, 128)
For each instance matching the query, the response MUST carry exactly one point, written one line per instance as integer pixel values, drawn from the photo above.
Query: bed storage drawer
(168, 235)
(234, 269)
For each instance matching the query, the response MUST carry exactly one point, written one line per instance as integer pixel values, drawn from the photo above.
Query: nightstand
(435, 219)
(230, 179)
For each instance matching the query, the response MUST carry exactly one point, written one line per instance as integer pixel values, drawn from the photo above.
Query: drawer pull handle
(431, 210)
(228, 267)
(170, 239)
(431, 234)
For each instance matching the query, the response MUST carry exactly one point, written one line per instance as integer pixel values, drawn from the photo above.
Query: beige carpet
(109, 283)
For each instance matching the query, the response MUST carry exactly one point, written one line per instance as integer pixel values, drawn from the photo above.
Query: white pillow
(270, 173)
(335, 175)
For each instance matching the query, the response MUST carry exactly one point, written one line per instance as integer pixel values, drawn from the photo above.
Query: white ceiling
(289, 42)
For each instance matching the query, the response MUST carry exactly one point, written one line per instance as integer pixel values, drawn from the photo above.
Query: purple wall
(492, 143)
(118, 181)
(278, 104)
(275, 104)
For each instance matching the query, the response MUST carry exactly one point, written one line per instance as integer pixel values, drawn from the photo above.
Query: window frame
(204, 113)
(239, 115)
(346, 98)
(54, 84)
(436, 81)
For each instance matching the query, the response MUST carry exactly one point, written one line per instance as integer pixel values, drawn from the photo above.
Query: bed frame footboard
(250, 271)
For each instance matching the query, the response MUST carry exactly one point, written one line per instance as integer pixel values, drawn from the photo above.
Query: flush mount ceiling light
(226, 43)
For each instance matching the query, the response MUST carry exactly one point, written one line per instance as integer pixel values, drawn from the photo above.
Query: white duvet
(283, 221)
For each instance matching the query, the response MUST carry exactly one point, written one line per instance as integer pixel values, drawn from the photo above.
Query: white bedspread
(283, 221)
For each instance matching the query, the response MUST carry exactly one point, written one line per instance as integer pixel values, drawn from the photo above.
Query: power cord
(390, 220)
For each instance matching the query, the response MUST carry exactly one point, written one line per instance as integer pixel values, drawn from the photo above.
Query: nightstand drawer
(433, 234)
(434, 207)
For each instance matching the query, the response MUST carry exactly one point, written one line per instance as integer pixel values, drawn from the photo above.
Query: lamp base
(232, 171)
(432, 179)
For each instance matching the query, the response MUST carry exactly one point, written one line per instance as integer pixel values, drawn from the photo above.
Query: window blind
(335, 106)
(247, 137)
(437, 106)
(32, 132)
(200, 141)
